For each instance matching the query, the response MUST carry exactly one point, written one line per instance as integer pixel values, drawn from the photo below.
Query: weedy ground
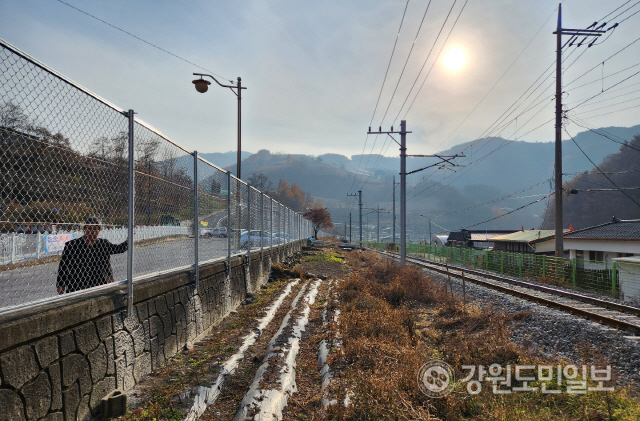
(395, 318)
(392, 320)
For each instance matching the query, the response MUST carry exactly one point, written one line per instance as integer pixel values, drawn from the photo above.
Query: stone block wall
(59, 360)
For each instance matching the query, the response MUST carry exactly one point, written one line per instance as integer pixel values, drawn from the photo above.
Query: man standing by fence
(86, 261)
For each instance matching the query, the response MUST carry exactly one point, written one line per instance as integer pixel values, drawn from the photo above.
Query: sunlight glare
(455, 58)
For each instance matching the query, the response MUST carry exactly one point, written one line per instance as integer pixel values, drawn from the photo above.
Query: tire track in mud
(206, 396)
(275, 379)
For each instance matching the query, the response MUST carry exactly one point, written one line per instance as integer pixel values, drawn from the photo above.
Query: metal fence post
(38, 242)
(261, 224)
(229, 223)
(614, 278)
(520, 256)
(573, 273)
(544, 265)
(502, 262)
(196, 218)
(131, 221)
(248, 225)
(12, 248)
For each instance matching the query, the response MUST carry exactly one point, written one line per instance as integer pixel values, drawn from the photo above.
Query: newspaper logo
(436, 379)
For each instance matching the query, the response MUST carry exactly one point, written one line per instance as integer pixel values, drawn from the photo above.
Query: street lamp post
(202, 86)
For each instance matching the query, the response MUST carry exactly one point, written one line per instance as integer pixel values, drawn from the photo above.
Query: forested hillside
(612, 189)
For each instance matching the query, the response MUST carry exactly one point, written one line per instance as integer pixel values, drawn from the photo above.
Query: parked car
(220, 232)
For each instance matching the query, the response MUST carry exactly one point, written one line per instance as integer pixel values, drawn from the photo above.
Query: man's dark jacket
(83, 266)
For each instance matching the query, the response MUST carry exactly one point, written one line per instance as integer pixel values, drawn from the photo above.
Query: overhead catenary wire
(601, 133)
(384, 80)
(446, 19)
(499, 79)
(599, 170)
(510, 212)
(379, 95)
(499, 199)
(144, 40)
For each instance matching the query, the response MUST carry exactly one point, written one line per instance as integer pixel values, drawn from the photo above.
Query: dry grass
(394, 319)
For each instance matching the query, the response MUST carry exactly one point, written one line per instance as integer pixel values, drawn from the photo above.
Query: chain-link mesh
(63, 159)
(212, 211)
(164, 204)
(64, 215)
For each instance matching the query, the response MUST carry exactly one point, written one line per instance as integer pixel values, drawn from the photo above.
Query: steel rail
(610, 321)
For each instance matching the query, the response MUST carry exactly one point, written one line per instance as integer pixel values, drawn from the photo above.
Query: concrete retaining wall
(59, 360)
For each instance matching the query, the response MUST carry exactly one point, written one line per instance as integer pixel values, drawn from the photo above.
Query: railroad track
(612, 314)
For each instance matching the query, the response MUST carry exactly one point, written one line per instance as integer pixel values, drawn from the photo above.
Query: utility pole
(444, 160)
(378, 224)
(349, 226)
(378, 209)
(403, 185)
(558, 140)
(360, 208)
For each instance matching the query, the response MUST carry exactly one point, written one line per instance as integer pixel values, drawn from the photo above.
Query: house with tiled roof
(605, 242)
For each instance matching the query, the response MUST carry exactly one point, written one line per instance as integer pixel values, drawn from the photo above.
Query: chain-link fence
(80, 177)
(615, 279)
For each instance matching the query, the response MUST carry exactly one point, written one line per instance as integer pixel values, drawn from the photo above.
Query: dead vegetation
(394, 319)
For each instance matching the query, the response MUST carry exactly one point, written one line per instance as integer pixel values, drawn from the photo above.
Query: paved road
(32, 283)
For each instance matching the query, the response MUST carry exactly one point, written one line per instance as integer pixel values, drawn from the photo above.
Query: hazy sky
(314, 69)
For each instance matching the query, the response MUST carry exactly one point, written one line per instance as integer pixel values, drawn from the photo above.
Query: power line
(607, 59)
(434, 62)
(599, 170)
(380, 94)
(630, 7)
(510, 212)
(500, 199)
(427, 59)
(389, 64)
(611, 112)
(143, 40)
(407, 60)
(499, 79)
(604, 135)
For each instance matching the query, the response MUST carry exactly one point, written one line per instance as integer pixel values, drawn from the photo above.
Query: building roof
(527, 236)
(458, 236)
(485, 236)
(617, 229)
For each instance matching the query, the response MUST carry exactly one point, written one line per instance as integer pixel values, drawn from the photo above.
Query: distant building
(478, 239)
(618, 238)
(527, 241)
(439, 240)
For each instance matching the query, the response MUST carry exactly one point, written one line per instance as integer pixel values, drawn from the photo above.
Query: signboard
(204, 224)
(55, 243)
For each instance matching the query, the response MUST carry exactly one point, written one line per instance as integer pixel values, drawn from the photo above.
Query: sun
(455, 59)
